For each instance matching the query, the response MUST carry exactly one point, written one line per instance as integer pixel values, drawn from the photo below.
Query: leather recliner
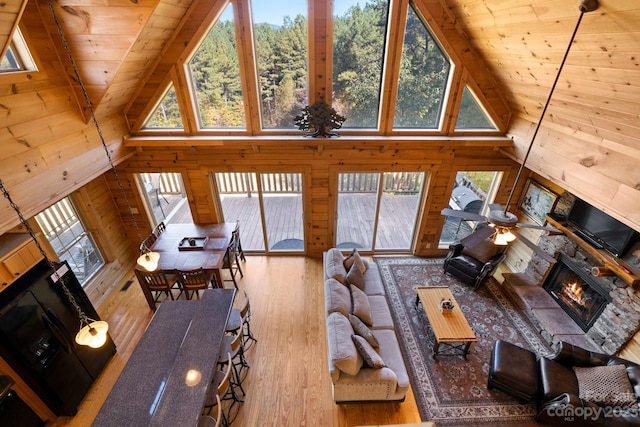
(560, 402)
(473, 265)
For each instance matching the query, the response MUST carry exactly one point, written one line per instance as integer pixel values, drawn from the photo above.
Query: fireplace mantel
(611, 263)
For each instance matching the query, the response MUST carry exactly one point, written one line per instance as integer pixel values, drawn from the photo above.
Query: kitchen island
(166, 379)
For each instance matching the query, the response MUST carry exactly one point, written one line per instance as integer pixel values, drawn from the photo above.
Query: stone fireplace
(576, 292)
(608, 323)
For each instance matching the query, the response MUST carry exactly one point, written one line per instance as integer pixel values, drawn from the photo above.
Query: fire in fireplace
(576, 291)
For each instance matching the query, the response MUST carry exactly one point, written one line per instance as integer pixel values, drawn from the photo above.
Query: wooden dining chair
(231, 260)
(148, 242)
(156, 284)
(236, 235)
(193, 281)
(159, 229)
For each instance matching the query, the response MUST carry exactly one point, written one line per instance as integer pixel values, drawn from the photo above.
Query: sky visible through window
(273, 11)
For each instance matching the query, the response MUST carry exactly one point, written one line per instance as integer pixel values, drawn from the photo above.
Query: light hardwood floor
(288, 383)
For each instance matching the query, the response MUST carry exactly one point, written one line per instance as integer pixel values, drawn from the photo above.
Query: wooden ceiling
(590, 140)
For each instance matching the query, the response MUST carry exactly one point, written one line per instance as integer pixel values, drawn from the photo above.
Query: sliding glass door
(378, 211)
(268, 207)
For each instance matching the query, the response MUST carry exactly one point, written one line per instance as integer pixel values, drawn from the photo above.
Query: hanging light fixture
(503, 236)
(92, 332)
(147, 259)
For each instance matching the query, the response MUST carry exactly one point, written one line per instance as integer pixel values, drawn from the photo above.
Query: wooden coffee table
(450, 329)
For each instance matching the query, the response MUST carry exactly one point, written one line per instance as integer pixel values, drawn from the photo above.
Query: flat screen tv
(599, 229)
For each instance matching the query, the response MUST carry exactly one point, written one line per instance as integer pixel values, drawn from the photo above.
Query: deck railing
(245, 183)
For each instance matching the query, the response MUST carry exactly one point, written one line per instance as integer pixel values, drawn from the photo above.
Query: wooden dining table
(211, 242)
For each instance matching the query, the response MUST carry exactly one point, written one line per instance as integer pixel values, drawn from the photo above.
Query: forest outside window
(255, 76)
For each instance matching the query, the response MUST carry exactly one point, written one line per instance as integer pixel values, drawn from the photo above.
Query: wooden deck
(284, 221)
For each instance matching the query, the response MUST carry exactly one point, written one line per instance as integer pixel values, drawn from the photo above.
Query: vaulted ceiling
(126, 49)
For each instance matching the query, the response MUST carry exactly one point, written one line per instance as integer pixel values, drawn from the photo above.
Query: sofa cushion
(337, 297)
(334, 265)
(363, 330)
(342, 351)
(372, 281)
(390, 352)
(380, 313)
(354, 258)
(355, 277)
(370, 357)
(361, 307)
(605, 385)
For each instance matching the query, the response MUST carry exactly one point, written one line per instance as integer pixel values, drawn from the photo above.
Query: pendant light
(92, 333)
(147, 259)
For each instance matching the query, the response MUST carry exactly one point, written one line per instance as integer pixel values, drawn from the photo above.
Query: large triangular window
(17, 57)
(280, 38)
(167, 113)
(423, 79)
(471, 115)
(215, 77)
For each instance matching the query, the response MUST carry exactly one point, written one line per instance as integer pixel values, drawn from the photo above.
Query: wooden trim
(218, 141)
(395, 40)
(246, 62)
(320, 47)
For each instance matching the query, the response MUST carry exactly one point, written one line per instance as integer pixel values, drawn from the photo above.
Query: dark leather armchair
(473, 265)
(560, 391)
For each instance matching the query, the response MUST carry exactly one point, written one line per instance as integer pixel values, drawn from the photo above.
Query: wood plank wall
(320, 166)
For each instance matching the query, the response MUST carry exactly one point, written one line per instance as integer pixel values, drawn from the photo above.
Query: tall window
(280, 35)
(424, 74)
(215, 76)
(70, 240)
(359, 33)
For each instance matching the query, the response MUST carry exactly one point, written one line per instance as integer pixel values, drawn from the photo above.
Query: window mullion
(393, 52)
(248, 73)
(320, 43)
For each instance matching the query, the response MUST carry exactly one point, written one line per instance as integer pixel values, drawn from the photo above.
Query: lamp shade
(94, 334)
(503, 237)
(149, 261)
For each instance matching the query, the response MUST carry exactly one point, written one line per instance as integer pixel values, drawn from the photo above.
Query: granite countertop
(182, 337)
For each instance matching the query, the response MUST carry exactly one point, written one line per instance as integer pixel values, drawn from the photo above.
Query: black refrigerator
(38, 325)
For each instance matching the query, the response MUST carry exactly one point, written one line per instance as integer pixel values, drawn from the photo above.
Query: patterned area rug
(452, 390)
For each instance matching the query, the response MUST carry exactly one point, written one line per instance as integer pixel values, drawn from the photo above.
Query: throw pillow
(370, 357)
(334, 265)
(337, 297)
(363, 330)
(483, 251)
(355, 258)
(605, 385)
(355, 277)
(360, 306)
(342, 350)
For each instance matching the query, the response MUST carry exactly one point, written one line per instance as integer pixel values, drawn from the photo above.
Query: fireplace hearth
(576, 292)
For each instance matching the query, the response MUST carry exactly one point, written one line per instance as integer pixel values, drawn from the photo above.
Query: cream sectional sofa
(350, 359)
